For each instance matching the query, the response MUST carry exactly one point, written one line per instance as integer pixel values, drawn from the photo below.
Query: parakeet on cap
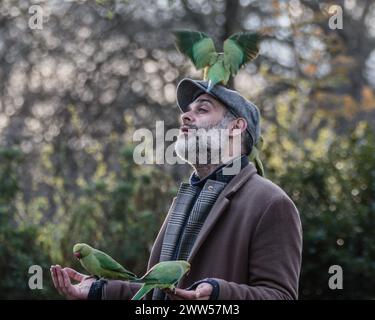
(99, 264)
(163, 275)
(239, 49)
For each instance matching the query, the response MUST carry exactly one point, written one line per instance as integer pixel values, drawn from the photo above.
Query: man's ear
(237, 126)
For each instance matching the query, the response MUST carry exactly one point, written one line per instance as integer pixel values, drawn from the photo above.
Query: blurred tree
(19, 245)
(120, 214)
(72, 94)
(335, 196)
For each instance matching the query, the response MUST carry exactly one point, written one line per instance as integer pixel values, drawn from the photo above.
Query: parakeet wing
(197, 46)
(164, 272)
(154, 274)
(108, 263)
(239, 49)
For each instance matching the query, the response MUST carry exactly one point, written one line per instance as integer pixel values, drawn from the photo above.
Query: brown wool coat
(251, 243)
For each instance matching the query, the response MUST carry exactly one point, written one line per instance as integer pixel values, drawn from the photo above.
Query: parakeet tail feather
(142, 292)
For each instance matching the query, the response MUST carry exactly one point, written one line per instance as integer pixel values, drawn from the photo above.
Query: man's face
(205, 116)
(204, 112)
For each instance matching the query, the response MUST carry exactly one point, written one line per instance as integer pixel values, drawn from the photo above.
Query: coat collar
(218, 174)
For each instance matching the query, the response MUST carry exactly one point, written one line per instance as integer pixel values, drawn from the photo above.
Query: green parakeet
(163, 275)
(254, 156)
(239, 49)
(99, 264)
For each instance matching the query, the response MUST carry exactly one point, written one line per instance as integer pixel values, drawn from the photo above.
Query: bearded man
(240, 232)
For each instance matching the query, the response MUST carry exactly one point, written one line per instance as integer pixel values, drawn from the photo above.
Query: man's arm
(119, 290)
(275, 256)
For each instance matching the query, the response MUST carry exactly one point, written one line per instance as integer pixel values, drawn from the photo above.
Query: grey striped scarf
(186, 221)
(190, 211)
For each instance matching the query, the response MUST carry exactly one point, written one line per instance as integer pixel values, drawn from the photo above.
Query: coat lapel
(216, 211)
(220, 206)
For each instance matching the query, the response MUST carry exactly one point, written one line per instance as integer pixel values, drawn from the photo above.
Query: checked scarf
(191, 208)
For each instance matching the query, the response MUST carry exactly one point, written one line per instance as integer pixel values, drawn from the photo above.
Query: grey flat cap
(188, 90)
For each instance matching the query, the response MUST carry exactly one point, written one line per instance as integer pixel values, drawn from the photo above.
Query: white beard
(202, 146)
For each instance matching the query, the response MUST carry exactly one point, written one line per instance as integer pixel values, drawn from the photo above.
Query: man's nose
(186, 118)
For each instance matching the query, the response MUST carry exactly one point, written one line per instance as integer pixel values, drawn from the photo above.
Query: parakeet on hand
(163, 275)
(239, 49)
(99, 264)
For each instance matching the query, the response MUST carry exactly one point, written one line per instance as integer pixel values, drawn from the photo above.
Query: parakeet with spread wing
(99, 264)
(163, 275)
(239, 49)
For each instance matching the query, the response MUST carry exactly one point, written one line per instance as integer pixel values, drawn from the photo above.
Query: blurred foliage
(19, 245)
(73, 93)
(119, 214)
(335, 194)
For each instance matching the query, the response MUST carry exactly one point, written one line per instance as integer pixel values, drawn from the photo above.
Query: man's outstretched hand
(202, 292)
(62, 282)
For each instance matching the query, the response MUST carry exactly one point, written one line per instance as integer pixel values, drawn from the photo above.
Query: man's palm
(62, 281)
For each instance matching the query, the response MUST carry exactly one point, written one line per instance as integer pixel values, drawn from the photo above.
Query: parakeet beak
(78, 255)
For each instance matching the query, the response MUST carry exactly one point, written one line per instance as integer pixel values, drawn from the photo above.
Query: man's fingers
(69, 288)
(66, 279)
(61, 281)
(203, 290)
(74, 274)
(172, 295)
(53, 276)
(185, 294)
(55, 281)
